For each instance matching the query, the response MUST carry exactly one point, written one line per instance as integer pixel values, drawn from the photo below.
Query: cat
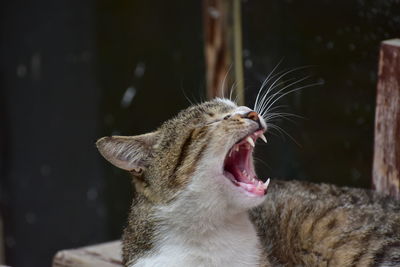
(198, 201)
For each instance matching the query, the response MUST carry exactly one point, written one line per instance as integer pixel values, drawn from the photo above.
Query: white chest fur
(233, 245)
(205, 227)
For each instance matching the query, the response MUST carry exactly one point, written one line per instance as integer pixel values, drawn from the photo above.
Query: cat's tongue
(239, 168)
(248, 182)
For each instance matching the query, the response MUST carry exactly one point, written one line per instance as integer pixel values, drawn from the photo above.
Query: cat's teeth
(250, 141)
(262, 136)
(266, 184)
(236, 148)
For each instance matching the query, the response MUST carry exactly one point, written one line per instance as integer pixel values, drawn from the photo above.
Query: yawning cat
(199, 202)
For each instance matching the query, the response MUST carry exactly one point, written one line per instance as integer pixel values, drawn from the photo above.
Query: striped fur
(305, 224)
(185, 214)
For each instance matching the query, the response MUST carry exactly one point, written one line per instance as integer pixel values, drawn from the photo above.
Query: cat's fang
(250, 141)
(262, 136)
(266, 184)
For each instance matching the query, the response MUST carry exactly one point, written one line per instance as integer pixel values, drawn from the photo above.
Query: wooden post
(386, 165)
(223, 48)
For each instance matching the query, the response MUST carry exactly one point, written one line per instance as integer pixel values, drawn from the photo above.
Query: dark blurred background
(73, 71)
(340, 40)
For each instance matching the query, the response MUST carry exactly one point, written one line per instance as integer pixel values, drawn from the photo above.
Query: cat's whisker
(271, 87)
(282, 116)
(285, 132)
(224, 80)
(292, 91)
(276, 107)
(279, 133)
(186, 97)
(233, 88)
(265, 97)
(273, 133)
(263, 85)
(230, 94)
(279, 94)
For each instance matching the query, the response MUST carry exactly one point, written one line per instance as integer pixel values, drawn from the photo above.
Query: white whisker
(264, 83)
(282, 130)
(279, 94)
(291, 91)
(224, 80)
(272, 86)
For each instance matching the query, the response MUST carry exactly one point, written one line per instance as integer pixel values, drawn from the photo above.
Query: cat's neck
(195, 232)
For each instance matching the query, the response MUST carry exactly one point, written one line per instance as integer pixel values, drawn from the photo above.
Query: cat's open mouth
(239, 168)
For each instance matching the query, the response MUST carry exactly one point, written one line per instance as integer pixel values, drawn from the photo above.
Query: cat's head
(203, 153)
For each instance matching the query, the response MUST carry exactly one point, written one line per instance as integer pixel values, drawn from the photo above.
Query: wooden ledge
(101, 255)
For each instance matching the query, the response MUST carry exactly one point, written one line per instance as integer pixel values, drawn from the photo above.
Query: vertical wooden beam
(223, 48)
(386, 165)
(238, 51)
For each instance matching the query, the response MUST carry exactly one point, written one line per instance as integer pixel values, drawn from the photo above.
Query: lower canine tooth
(266, 184)
(250, 141)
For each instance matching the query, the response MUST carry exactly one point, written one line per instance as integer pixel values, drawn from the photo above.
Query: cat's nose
(252, 115)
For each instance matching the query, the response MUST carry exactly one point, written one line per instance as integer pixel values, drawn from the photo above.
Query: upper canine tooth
(266, 184)
(250, 140)
(236, 148)
(262, 136)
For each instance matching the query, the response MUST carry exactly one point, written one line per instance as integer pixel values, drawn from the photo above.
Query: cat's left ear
(129, 153)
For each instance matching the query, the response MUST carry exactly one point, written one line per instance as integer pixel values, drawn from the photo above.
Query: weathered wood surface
(386, 165)
(223, 48)
(102, 255)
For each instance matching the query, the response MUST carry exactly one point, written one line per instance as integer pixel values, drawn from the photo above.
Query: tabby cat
(199, 202)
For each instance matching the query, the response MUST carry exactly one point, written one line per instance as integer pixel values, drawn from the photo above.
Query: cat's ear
(129, 153)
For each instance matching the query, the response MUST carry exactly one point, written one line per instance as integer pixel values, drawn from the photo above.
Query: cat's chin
(239, 169)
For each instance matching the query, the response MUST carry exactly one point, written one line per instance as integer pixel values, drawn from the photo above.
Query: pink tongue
(260, 191)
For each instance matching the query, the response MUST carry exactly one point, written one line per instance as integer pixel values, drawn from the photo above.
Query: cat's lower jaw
(233, 243)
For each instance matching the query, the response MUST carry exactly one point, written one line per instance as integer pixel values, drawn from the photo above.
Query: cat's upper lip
(251, 138)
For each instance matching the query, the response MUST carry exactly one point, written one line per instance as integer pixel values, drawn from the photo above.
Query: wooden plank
(386, 165)
(223, 48)
(102, 255)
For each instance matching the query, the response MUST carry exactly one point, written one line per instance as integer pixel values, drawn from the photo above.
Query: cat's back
(306, 224)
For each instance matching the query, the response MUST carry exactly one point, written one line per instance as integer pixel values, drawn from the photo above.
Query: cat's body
(196, 185)
(306, 224)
